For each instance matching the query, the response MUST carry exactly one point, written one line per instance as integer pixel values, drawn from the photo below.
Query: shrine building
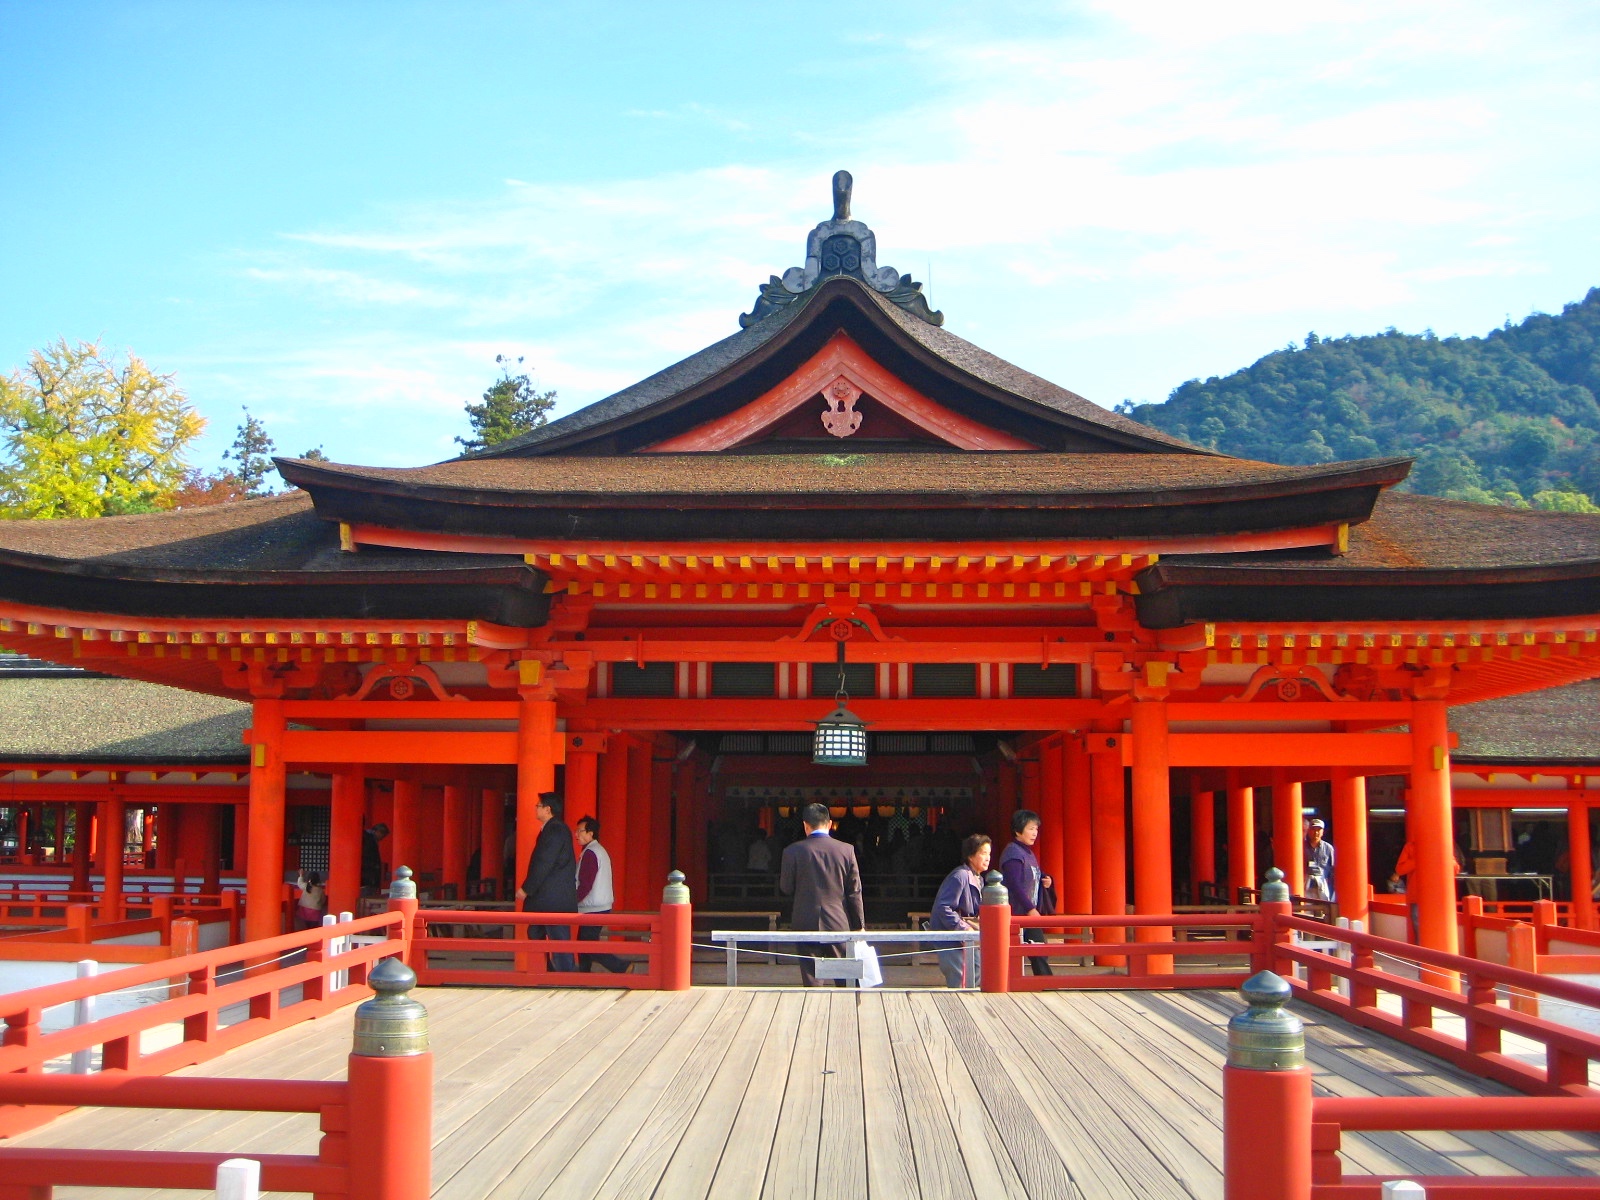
(842, 512)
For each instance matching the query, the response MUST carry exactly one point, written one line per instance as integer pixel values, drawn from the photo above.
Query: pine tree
(511, 406)
(251, 455)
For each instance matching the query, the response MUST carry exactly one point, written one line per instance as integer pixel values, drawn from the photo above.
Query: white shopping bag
(871, 973)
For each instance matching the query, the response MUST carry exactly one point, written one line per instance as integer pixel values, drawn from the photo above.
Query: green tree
(511, 406)
(83, 435)
(251, 455)
(1497, 419)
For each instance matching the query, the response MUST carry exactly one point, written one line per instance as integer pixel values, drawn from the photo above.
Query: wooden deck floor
(784, 1093)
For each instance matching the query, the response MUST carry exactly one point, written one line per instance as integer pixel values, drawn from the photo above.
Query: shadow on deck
(757, 1093)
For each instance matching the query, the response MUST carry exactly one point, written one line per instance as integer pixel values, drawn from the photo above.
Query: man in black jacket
(825, 881)
(551, 884)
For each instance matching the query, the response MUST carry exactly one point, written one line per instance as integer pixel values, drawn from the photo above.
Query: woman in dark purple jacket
(956, 907)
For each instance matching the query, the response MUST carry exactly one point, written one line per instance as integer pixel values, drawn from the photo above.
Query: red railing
(53, 909)
(193, 992)
(663, 947)
(1128, 963)
(1282, 1144)
(1332, 1116)
(1467, 988)
(376, 1125)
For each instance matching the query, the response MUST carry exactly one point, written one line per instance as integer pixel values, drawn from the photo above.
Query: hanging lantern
(841, 737)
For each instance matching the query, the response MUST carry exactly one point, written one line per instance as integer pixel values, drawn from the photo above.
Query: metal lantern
(841, 737)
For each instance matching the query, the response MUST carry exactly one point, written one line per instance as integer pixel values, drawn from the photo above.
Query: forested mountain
(1508, 418)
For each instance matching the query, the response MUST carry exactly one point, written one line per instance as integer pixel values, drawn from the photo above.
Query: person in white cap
(1319, 862)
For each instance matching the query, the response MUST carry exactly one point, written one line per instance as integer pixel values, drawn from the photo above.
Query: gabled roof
(1553, 725)
(253, 558)
(1417, 558)
(930, 495)
(738, 369)
(99, 719)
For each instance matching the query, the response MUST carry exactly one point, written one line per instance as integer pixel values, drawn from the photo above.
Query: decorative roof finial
(842, 183)
(841, 246)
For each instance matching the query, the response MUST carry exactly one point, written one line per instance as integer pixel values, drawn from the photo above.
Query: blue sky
(339, 213)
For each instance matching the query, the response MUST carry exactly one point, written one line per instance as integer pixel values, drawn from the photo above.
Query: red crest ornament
(841, 418)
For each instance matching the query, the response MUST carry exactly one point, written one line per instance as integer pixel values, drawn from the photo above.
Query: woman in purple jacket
(956, 907)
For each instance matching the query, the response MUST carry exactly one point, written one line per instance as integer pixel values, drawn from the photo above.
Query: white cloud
(1161, 165)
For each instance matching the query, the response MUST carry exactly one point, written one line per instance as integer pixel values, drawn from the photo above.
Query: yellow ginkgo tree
(83, 435)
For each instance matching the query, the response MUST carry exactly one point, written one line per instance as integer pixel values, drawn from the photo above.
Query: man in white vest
(595, 893)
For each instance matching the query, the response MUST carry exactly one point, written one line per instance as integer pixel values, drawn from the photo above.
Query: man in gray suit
(822, 876)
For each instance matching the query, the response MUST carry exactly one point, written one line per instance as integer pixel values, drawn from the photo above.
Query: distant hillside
(1508, 418)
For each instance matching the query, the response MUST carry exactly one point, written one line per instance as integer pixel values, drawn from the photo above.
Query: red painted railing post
(161, 910)
(79, 919)
(994, 936)
(390, 1143)
(1522, 954)
(230, 902)
(403, 899)
(1471, 911)
(675, 953)
(1266, 1099)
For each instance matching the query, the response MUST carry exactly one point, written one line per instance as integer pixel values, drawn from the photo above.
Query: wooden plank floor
(789, 1093)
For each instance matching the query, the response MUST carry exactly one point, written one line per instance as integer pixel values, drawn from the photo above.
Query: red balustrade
(193, 991)
(1002, 950)
(376, 1125)
(658, 942)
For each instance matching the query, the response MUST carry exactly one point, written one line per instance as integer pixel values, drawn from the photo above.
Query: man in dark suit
(551, 884)
(822, 876)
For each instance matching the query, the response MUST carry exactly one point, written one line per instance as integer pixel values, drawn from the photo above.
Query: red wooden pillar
(453, 842)
(404, 827)
(1075, 883)
(1241, 837)
(1350, 871)
(241, 840)
(1580, 859)
(1052, 811)
(1152, 824)
(1433, 882)
(492, 843)
(661, 824)
(147, 834)
(582, 781)
(1202, 840)
(113, 835)
(612, 803)
(536, 766)
(1288, 839)
(1030, 786)
(641, 779)
(61, 835)
(268, 776)
(82, 844)
(169, 833)
(347, 810)
(210, 820)
(1109, 842)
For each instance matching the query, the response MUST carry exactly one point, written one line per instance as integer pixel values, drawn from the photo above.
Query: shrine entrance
(905, 812)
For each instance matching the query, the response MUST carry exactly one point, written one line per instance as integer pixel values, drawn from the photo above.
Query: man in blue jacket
(1027, 884)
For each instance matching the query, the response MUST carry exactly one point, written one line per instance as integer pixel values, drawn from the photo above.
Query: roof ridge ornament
(840, 246)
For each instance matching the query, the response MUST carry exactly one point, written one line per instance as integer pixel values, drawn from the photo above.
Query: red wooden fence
(192, 991)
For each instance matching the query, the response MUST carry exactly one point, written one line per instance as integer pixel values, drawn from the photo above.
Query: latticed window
(651, 679)
(1030, 679)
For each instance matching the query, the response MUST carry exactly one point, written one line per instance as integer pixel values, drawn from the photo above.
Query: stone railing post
(1266, 1098)
(675, 955)
(1275, 903)
(994, 932)
(390, 1107)
(403, 899)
